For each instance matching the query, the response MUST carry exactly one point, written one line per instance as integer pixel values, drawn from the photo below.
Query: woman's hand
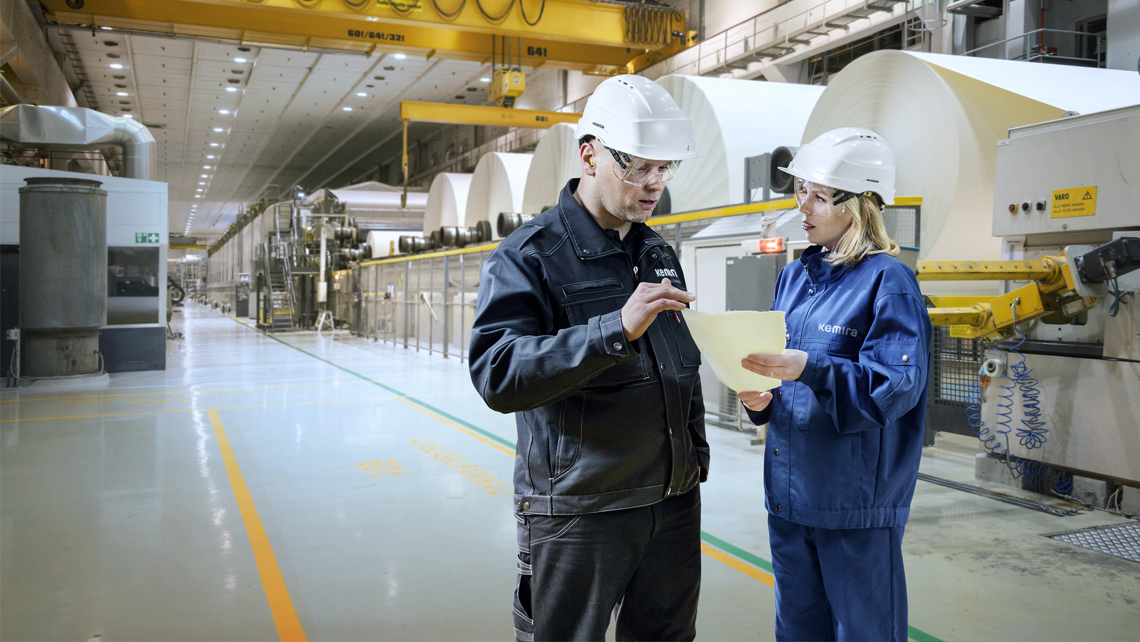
(755, 401)
(787, 366)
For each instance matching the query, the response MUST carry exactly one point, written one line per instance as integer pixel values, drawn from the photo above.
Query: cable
(522, 8)
(492, 19)
(1032, 433)
(1118, 297)
(449, 16)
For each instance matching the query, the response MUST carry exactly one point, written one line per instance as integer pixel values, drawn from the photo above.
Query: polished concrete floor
(324, 487)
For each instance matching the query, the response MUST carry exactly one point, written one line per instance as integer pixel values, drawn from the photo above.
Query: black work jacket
(603, 423)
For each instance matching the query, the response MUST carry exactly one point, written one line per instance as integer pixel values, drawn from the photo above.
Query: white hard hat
(637, 116)
(850, 159)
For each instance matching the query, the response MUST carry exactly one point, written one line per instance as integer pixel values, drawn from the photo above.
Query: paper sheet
(725, 339)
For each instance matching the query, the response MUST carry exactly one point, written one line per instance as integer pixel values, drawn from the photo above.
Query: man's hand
(787, 366)
(646, 301)
(755, 401)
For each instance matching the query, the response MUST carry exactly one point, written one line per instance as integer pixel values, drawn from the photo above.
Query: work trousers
(641, 564)
(838, 584)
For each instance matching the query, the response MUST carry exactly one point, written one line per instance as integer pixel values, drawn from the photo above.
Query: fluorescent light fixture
(399, 56)
(197, 196)
(362, 94)
(219, 129)
(213, 144)
(199, 190)
(239, 59)
(205, 167)
(116, 65)
(231, 89)
(121, 93)
(346, 108)
(223, 111)
(205, 176)
(300, 194)
(210, 156)
(484, 79)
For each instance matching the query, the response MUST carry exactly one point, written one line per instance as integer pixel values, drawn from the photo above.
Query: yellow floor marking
(497, 446)
(276, 593)
(747, 569)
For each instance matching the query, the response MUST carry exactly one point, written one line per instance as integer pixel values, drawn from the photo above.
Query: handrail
(1028, 45)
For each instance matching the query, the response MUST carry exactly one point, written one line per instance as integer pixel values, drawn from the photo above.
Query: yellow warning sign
(1075, 201)
(960, 331)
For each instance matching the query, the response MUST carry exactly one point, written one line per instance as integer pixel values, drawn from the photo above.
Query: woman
(846, 424)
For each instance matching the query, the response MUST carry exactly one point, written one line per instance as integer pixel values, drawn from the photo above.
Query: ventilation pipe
(39, 127)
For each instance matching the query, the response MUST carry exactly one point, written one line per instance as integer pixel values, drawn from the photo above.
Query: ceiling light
(219, 129)
(239, 59)
(205, 176)
(121, 93)
(116, 65)
(197, 196)
(201, 182)
(399, 56)
(106, 28)
(199, 190)
(347, 108)
(362, 94)
(484, 79)
(210, 156)
(205, 167)
(213, 144)
(223, 111)
(231, 89)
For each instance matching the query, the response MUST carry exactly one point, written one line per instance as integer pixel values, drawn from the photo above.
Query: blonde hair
(866, 236)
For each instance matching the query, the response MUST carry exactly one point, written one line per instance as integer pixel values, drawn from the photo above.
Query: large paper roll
(447, 201)
(555, 162)
(943, 117)
(496, 186)
(732, 120)
(359, 203)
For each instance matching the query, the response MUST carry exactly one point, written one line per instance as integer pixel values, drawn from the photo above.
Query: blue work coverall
(843, 446)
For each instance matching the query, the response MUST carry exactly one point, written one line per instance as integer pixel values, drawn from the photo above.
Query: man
(577, 332)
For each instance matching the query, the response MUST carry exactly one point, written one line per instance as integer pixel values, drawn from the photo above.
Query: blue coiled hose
(1031, 434)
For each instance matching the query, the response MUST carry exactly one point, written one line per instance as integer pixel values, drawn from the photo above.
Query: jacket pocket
(594, 299)
(807, 413)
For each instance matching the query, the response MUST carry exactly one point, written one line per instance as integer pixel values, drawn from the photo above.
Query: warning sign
(1075, 201)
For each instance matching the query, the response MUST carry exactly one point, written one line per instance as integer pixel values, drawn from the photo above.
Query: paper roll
(386, 243)
(732, 120)
(496, 186)
(446, 201)
(359, 202)
(943, 117)
(555, 161)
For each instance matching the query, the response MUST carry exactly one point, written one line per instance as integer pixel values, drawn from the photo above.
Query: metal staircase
(798, 29)
(278, 313)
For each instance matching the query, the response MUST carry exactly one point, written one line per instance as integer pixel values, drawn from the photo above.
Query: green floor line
(735, 551)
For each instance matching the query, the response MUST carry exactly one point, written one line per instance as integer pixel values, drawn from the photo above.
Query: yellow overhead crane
(591, 37)
(474, 115)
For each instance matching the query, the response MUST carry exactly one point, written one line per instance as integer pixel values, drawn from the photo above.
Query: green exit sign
(146, 237)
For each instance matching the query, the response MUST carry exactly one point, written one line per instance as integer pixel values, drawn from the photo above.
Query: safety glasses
(640, 172)
(821, 201)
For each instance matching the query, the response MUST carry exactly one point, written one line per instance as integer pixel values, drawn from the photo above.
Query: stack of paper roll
(732, 120)
(555, 162)
(496, 187)
(446, 202)
(943, 117)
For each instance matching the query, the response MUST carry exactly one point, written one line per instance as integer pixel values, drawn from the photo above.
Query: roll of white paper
(496, 187)
(446, 202)
(732, 120)
(943, 117)
(555, 162)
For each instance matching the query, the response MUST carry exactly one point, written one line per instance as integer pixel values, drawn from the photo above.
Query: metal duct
(80, 128)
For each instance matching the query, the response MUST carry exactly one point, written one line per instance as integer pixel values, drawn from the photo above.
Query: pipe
(53, 127)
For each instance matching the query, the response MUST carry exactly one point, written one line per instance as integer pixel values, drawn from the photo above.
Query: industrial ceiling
(236, 119)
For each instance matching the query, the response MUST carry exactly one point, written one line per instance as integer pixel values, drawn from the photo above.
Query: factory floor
(325, 487)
